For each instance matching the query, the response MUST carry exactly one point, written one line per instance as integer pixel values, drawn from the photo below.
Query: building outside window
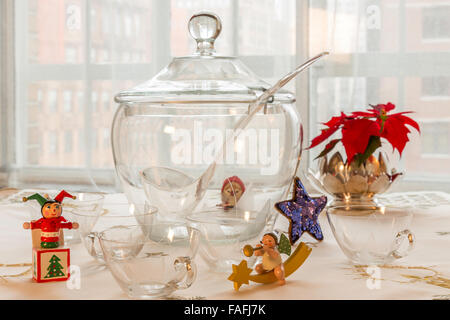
(68, 142)
(94, 101)
(106, 138)
(53, 142)
(436, 22)
(436, 139)
(106, 100)
(387, 54)
(67, 100)
(52, 100)
(436, 86)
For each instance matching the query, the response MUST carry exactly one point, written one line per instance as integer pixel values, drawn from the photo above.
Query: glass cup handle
(399, 239)
(188, 266)
(92, 236)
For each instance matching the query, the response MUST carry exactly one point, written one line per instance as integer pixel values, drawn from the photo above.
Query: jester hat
(43, 201)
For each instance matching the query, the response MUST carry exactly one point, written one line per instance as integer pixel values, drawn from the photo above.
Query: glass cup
(224, 235)
(84, 202)
(372, 235)
(151, 261)
(92, 222)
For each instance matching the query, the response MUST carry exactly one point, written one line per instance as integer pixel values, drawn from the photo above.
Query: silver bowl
(350, 183)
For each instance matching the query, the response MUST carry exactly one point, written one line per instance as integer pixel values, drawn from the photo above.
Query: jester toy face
(231, 193)
(51, 210)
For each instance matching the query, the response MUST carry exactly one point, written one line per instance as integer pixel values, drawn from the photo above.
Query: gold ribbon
(15, 265)
(435, 279)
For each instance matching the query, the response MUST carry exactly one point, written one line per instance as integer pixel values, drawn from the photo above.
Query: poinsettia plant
(362, 132)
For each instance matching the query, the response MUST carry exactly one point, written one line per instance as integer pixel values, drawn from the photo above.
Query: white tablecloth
(326, 274)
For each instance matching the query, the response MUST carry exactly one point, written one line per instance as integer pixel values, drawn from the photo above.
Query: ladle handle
(287, 78)
(254, 108)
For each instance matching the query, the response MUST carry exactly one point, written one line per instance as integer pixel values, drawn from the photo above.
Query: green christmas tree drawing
(54, 268)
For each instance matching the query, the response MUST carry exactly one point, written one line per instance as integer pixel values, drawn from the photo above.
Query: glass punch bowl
(168, 131)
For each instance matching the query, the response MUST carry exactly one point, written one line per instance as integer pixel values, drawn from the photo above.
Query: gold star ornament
(240, 275)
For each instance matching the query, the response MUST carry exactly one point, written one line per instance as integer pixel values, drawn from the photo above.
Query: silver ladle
(173, 191)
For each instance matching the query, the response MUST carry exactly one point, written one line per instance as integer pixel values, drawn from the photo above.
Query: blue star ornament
(302, 212)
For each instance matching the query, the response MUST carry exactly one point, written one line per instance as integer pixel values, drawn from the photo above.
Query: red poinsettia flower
(333, 125)
(362, 130)
(356, 134)
(383, 109)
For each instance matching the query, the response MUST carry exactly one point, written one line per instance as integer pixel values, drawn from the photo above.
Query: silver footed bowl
(350, 183)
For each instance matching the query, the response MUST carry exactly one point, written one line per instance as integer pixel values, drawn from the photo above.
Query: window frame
(7, 96)
(365, 64)
(25, 175)
(21, 175)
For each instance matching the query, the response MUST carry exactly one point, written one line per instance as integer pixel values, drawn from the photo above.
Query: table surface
(326, 274)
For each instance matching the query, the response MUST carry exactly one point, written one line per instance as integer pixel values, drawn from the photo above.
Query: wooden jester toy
(51, 261)
(52, 220)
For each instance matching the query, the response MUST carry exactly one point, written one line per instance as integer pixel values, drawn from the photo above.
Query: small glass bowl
(114, 215)
(84, 201)
(372, 235)
(151, 261)
(224, 235)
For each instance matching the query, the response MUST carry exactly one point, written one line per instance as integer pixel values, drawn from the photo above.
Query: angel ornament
(270, 250)
(271, 257)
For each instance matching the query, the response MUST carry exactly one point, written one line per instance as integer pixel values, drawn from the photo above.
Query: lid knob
(205, 27)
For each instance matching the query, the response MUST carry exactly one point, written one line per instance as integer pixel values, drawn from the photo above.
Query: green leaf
(284, 246)
(330, 146)
(374, 144)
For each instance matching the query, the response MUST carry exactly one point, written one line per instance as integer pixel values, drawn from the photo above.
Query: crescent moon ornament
(242, 273)
(302, 211)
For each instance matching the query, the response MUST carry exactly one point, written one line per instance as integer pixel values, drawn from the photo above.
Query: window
(106, 56)
(128, 25)
(106, 21)
(52, 100)
(118, 24)
(94, 55)
(106, 138)
(436, 139)
(94, 101)
(436, 87)
(53, 143)
(40, 96)
(67, 101)
(71, 55)
(81, 142)
(106, 100)
(80, 101)
(94, 138)
(436, 22)
(68, 142)
(137, 23)
(102, 47)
